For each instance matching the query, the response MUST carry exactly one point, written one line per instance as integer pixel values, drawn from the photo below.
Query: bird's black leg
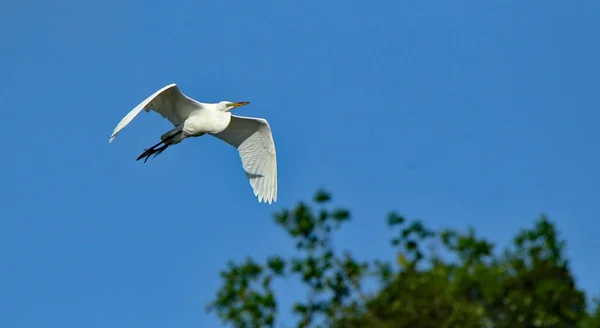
(155, 151)
(149, 151)
(161, 149)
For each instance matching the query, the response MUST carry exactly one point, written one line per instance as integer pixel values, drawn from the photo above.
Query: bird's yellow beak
(240, 104)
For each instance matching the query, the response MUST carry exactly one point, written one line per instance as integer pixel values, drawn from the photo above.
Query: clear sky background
(457, 112)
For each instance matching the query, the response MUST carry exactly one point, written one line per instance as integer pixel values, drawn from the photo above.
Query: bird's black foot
(166, 142)
(152, 151)
(147, 153)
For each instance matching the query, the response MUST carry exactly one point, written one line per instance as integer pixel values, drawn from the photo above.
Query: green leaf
(394, 219)
(341, 215)
(322, 196)
(276, 264)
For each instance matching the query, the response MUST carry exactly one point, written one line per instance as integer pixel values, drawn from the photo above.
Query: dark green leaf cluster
(246, 298)
(441, 278)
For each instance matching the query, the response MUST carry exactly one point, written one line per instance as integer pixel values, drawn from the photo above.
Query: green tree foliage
(529, 284)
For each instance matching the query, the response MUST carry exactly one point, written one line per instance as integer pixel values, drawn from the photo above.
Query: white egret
(250, 136)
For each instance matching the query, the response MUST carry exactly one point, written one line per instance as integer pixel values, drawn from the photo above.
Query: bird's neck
(214, 107)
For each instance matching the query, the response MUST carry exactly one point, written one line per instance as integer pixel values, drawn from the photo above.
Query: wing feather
(253, 139)
(164, 101)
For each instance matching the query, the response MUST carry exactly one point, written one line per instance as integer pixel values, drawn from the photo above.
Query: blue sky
(457, 112)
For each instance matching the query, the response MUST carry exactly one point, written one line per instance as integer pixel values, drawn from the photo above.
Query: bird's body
(250, 136)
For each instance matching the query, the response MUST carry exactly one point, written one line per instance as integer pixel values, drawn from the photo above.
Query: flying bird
(251, 136)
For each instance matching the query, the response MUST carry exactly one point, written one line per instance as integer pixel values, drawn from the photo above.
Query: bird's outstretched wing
(253, 139)
(164, 101)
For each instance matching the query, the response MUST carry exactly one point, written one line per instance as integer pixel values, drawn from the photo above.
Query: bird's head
(228, 106)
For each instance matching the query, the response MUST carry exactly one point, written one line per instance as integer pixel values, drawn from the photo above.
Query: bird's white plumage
(251, 136)
(169, 102)
(253, 139)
